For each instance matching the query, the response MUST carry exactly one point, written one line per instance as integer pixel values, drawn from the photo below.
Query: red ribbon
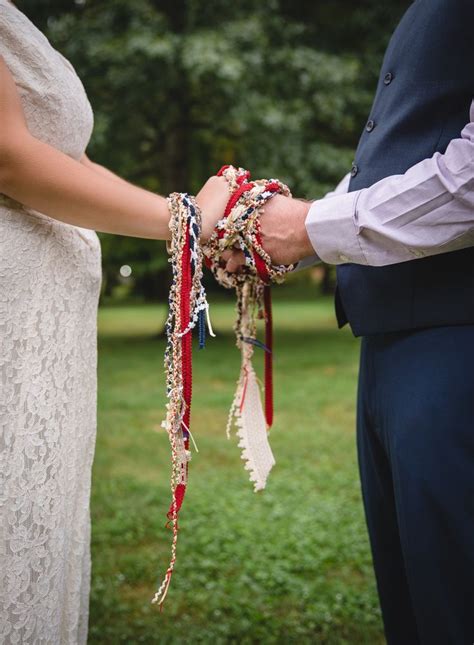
(186, 361)
(267, 295)
(243, 186)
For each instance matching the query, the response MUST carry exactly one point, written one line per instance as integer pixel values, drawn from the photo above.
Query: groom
(400, 228)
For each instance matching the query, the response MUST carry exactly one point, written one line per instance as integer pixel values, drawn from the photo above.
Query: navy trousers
(415, 442)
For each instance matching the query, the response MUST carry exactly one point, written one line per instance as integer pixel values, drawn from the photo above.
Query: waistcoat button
(370, 125)
(354, 169)
(387, 79)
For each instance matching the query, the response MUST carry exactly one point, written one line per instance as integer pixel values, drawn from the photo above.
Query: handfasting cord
(240, 228)
(188, 308)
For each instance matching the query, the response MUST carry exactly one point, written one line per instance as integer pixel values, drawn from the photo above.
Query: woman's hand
(212, 200)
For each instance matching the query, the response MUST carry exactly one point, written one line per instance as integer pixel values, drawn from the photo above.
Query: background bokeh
(179, 88)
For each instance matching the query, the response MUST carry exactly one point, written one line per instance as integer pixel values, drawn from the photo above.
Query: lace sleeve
(11, 29)
(26, 63)
(55, 103)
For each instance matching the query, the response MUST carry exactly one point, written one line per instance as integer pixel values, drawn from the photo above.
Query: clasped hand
(283, 231)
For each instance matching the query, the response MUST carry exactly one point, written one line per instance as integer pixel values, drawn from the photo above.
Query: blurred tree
(181, 87)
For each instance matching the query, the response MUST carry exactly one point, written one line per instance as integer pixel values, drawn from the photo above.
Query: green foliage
(290, 564)
(180, 88)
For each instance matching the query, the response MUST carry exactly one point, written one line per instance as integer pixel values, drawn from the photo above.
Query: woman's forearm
(102, 170)
(47, 180)
(81, 192)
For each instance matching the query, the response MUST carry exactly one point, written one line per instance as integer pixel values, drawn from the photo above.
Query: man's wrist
(302, 240)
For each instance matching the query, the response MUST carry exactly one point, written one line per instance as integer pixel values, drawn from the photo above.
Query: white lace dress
(50, 275)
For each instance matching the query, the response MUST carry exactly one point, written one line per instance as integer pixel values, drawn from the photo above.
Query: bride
(52, 200)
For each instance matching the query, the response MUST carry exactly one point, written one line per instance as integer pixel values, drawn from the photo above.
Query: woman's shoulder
(54, 100)
(11, 18)
(27, 52)
(17, 33)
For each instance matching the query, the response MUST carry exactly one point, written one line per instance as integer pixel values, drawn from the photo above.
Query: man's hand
(284, 235)
(283, 230)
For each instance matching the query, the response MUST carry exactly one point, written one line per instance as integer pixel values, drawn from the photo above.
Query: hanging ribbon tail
(186, 259)
(178, 497)
(268, 355)
(186, 369)
(186, 340)
(252, 431)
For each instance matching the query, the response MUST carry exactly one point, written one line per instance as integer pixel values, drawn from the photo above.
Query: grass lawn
(290, 564)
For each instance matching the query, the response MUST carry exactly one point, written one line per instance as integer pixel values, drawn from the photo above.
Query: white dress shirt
(425, 211)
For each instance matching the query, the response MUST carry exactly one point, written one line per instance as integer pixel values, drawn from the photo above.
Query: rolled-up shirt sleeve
(426, 211)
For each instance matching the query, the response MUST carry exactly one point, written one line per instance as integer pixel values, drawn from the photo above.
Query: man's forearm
(426, 211)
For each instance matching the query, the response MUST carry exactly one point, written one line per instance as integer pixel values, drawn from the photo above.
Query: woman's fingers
(236, 261)
(232, 260)
(225, 255)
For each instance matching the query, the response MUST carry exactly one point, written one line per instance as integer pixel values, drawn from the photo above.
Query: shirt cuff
(332, 229)
(306, 262)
